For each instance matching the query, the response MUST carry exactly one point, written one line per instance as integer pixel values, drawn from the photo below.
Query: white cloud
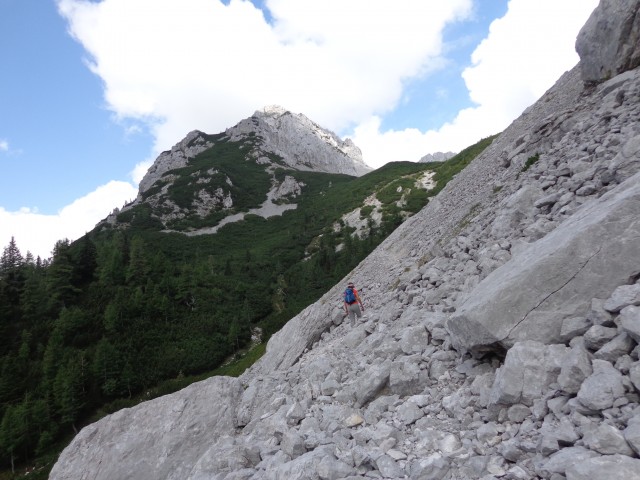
(38, 233)
(178, 65)
(525, 53)
(186, 64)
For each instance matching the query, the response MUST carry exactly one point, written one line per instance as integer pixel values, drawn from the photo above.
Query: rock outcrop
(179, 155)
(302, 144)
(446, 376)
(436, 157)
(609, 43)
(146, 452)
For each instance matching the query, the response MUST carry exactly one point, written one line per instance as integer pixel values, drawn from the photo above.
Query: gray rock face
(623, 296)
(634, 375)
(607, 440)
(556, 277)
(564, 459)
(619, 346)
(527, 370)
(575, 368)
(602, 388)
(609, 43)
(630, 321)
(632, 436)
(154, 434)
(597, 336)
(605, 468)
(301, 143)
(193, 144)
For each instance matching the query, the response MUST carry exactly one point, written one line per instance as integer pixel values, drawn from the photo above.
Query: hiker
(352, 304)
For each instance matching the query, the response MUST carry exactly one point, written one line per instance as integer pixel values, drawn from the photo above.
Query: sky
(92, 91)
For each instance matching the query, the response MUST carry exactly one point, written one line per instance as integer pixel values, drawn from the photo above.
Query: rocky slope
(501, 333)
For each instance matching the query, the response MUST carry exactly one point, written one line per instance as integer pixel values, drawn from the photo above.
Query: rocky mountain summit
(315, 149)
(436, 157)
(501, 334)
(301, 143)
(272, 138)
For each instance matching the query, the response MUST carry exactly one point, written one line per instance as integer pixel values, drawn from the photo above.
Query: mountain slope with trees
(132, 304)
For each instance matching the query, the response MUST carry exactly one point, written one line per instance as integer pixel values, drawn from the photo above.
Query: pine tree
(60, 275)
(34, 295)
(11, 284)
(138, 268)
(107, 367)
(69, 388)
(12, 433)
(112, 259)
(86, 262)
(11, 259)
(279, 294)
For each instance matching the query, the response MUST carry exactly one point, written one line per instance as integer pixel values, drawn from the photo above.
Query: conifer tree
(11, 283)
(60, 275)
(85, 263)
(11, 259)
(138, 267)
(34, 295)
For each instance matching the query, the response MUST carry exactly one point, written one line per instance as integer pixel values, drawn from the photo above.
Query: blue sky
(92, 91)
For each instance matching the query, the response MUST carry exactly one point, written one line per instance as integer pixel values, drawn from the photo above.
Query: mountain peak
(271, 138)
(272, 110)
(301, 143)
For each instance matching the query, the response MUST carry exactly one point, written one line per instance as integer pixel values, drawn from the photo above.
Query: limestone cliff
(500, 338)
(301, 143)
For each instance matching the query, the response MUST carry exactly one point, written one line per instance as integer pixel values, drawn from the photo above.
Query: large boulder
(556, 277)
(162, 438)
(609, 43)
(605, 468)
(528, 370)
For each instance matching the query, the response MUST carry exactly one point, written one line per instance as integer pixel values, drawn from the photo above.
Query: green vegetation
(530, 161)
(366, 211)
(129, 312)
(249, 181)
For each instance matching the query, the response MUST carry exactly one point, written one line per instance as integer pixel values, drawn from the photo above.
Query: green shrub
(530, 161)
(366, 211)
